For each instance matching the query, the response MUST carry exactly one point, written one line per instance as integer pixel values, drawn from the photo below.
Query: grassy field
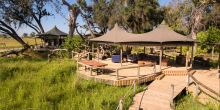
(11, 43)
(38, 84)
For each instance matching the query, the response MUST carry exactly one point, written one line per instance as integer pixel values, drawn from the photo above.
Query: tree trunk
(17, 38)
(72, 22)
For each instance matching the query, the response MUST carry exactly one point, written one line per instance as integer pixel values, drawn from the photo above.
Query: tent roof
(54, 32)
(116, 35)
(161, 34)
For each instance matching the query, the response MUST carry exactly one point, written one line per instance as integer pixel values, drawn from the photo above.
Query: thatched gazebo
(53, 37)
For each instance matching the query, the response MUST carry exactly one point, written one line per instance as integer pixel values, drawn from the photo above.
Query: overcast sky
(60, 21)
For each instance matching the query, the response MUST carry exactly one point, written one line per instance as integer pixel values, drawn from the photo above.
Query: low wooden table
(145, 62)
(94, 64)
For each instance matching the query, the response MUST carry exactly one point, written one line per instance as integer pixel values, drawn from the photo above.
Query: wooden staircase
(158, 94)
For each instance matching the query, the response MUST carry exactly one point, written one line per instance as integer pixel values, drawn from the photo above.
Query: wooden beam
(187, 54)
(121, 54)
(92, 49)
(160, 63)
(192, 57)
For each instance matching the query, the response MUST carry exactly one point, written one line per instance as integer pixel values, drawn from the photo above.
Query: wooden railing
(200, 87)
(122, 99)
(138, 69)
(117, 69)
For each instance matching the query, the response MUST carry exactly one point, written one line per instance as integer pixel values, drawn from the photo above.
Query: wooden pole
(181, 50)
(192, 57)
(121, 104)
(121, 55)
(161, 50)
(98, 53)
(117, 74)
(138, 72)
(134, 87)
(172, 96)
(187, 53)
(92, 49)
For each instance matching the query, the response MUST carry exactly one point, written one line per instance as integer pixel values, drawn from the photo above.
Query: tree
(73, 14)
(32, 34)
(210, 38)
(136, 15)
(191, 16)
(14, 13)
(25, 35)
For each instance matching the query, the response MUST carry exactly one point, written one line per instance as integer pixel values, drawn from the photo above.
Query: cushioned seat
(116, 58)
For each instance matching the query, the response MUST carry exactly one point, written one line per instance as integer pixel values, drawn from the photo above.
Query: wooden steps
(158, 94)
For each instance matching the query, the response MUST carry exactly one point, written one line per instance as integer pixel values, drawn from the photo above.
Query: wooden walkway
(158, 94)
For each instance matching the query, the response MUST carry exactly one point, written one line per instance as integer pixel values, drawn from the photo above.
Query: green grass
(37, 84)
(188, 102)
(11, 43)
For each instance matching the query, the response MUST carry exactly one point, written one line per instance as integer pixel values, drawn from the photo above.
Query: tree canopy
(15, 13)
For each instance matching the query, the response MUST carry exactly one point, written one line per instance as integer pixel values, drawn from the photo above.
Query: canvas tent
(53, 37)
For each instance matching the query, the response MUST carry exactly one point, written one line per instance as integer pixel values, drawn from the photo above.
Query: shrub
(73, 43)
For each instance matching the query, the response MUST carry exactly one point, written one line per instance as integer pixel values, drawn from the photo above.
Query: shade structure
(161, 35)
(53, 37)
(54, 32)
(116, 35)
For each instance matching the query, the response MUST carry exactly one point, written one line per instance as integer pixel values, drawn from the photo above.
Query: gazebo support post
(181, 50)
(161, 53)
(121, 54)
(187, 54)
(92, 49)
(192, 57)
(98, 53)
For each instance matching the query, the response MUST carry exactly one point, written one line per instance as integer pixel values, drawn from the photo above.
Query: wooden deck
(208, 85)
(158, 94)
(127, 75)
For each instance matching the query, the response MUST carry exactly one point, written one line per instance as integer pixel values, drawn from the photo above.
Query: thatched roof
(160, 35)
(54, 32)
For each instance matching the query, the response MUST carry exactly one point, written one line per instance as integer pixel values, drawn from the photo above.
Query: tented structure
(160, 36)
(53, 37)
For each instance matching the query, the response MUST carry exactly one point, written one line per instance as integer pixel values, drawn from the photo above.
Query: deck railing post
(172, 96)
(91, 71)
(121, 104)
(117, 74)
(154, 69)
(138, 72)
(188, 79)
(197, 89)
(134, 87)
(48, 57)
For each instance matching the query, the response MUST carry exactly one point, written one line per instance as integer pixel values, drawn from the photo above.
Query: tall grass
(37, 84)
(188, 102)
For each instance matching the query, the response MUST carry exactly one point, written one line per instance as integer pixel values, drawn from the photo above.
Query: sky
(60, 20)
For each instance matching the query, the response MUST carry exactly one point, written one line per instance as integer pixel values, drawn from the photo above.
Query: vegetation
(189, 103)
(15, 13)
(208, 39)
(37, 84)
(11, 43)
(73, 43)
